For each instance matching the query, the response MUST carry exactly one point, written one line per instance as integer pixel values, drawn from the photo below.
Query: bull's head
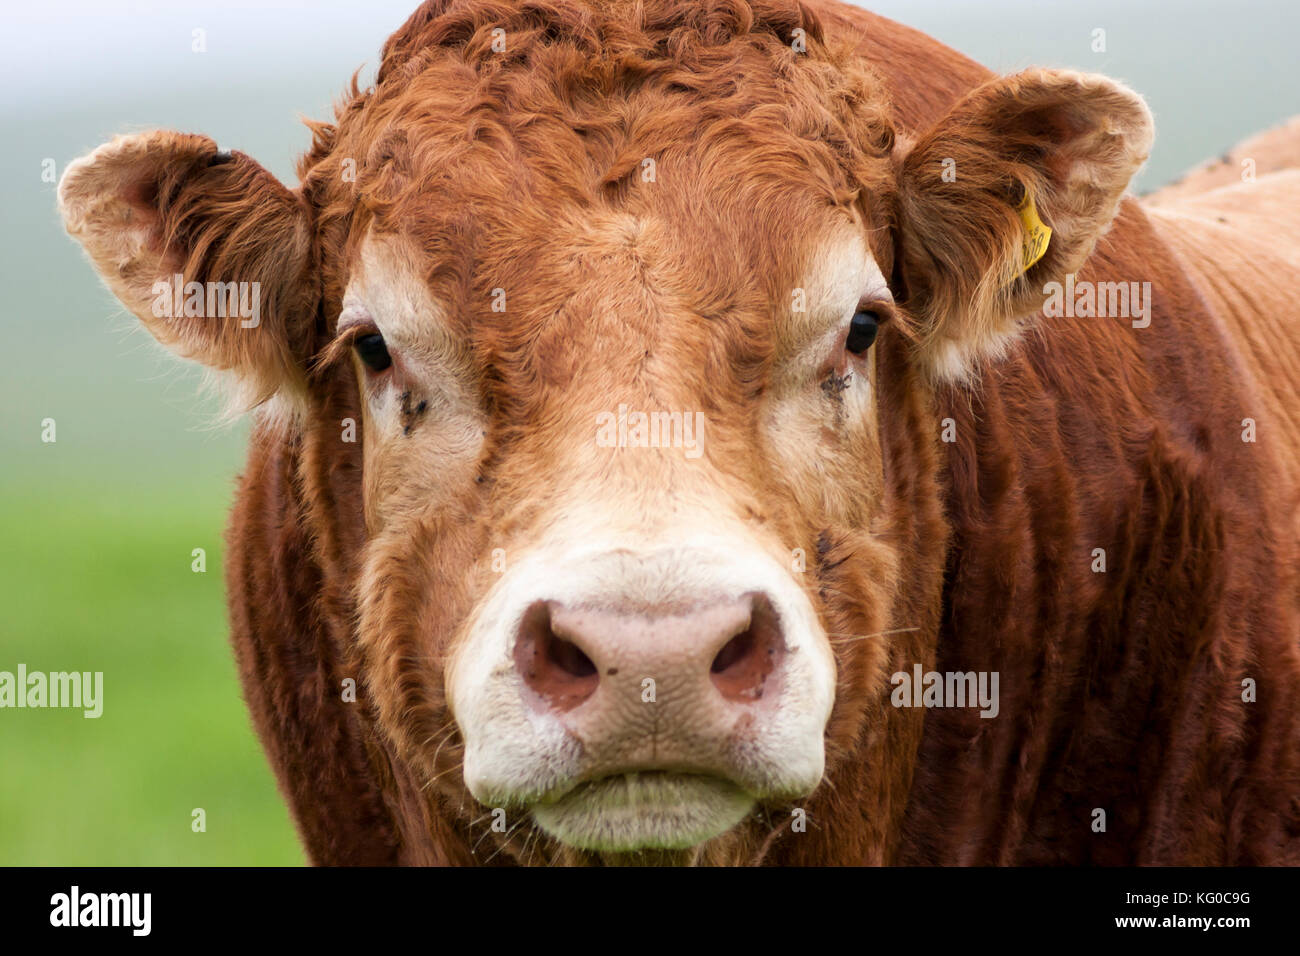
(639, 322)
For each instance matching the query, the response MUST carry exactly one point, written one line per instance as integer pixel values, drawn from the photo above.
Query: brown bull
(734, 432)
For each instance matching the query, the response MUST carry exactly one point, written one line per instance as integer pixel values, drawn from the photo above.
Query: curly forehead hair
(573, 95)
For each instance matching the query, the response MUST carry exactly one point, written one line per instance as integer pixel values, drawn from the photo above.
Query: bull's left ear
(1019, 156)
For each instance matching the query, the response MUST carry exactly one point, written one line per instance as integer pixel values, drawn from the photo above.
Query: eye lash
(341, 346)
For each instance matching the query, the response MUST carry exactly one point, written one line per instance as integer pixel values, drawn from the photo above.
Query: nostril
(554, 668)
(733, 652)
(741, 668)
(568, 657)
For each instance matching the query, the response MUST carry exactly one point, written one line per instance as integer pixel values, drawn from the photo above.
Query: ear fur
(1071, 140)
(151, 207)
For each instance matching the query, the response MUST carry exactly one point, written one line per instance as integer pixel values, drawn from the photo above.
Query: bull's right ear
(208, 249)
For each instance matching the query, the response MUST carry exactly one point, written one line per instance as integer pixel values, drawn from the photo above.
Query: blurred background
(97, 528)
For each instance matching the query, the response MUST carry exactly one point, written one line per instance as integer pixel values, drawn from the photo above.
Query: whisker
(451, 730)
(842, 638)
(450, 725)
(438, 776)
(505, 840)
(474, 849)
(530, 848)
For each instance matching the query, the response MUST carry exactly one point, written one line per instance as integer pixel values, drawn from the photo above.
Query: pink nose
(596, 666)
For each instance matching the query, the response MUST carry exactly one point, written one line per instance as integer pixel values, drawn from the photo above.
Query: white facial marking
(424, 418)
(519, 754)
(838, 278)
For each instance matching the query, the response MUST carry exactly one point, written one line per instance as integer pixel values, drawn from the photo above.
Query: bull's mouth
(649, 810)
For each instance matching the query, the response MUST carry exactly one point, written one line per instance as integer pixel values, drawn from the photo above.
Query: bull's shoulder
(1107, 512)
(288, 658)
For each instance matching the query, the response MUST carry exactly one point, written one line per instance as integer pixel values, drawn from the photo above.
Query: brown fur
(1120, 691)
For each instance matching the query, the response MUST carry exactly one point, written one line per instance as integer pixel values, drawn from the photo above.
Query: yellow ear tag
(1037, 234)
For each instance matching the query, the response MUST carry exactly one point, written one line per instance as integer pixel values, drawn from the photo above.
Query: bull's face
(617, 376)
(641, 357)
(604, 460)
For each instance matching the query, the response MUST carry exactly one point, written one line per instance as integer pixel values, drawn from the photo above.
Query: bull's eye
(862, 331)
(372, 350)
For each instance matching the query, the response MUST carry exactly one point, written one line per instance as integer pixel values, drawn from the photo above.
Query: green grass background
(106, 585)
(97, 529)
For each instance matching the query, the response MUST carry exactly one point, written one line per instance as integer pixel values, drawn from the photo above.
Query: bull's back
(1240, 247)
(1271, 151)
